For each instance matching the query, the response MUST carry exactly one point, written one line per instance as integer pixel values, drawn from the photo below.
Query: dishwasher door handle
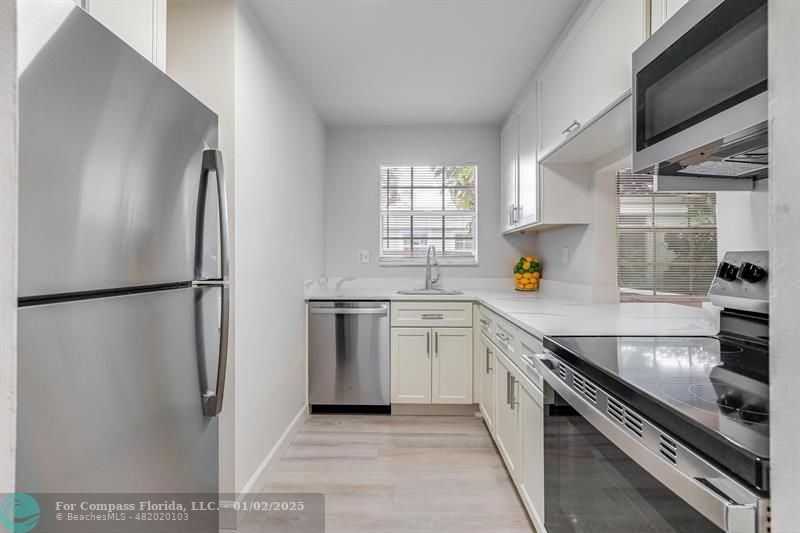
(380, 311)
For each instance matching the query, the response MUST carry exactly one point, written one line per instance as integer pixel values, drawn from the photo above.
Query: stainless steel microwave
(700, 98)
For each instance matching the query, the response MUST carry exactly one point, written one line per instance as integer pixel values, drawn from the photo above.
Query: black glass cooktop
(711, 393)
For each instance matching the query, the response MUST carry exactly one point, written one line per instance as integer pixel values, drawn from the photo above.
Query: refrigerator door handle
(212, 162)
(212, 400)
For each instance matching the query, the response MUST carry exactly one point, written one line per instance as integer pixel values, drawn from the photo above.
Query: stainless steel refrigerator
(123, 297)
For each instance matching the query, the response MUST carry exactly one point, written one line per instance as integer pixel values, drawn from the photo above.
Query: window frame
(629, 295)
(390, 261)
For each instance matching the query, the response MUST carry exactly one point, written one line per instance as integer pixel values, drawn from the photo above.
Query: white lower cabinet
(487, 370)
(508, 419)
(411, 365)
(512, 406)
(531, 480)
(431, 365)
(452, 365)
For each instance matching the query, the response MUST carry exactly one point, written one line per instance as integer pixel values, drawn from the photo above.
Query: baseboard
(436, 409)
(259, 478)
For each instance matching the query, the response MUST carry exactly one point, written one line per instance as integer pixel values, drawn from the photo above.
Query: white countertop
(542, 315)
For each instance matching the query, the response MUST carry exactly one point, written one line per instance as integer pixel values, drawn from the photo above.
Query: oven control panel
(742, 282)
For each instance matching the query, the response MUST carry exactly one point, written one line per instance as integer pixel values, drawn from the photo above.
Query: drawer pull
(484, 322)
(571, 128)
(503, 337)
(432, 316)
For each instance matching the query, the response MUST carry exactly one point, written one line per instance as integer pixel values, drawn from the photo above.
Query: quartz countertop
(542, 315)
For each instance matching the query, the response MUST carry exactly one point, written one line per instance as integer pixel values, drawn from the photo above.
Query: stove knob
(727, 271)
(751, 273)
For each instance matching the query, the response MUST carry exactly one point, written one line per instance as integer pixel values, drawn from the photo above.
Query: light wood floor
(402, 474)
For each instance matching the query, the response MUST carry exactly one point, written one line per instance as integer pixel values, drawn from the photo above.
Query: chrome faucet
(430, 260)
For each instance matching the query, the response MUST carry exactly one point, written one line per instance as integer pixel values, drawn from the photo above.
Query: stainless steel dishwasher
(348, 356)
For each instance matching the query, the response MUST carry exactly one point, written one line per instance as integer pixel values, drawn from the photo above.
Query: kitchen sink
(430, 292)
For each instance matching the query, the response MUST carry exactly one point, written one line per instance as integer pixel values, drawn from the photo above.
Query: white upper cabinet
(509, 159)
(591, 69)
(140, 23)
(662, 10)
(529, 211)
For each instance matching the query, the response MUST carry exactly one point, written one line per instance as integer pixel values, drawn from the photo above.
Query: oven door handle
(731, 514)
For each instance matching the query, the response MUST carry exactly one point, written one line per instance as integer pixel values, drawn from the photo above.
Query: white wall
(743, 219)
(784, 249)
(742, 222)
(592, 248)
(352, 201)
(279, 156)
(8, 244)
(188, 58)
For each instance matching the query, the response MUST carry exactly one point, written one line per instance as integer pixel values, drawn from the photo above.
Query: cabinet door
(662, 10)
(528, 165)
(452, 365)
(411, 365)
(593, 69)
(487, 371)
(142, 24)
(509, 153)
(532, 460)
(508, 421)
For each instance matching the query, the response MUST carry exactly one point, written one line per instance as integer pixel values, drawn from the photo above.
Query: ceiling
(375, 62)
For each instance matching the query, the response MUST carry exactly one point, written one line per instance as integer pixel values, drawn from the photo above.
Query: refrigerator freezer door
(110, 396)
(110, 153)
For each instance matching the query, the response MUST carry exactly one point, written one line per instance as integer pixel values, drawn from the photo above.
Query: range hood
(731, 163)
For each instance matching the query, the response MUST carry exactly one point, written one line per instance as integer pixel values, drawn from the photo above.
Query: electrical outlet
(362, 256)
(565, 255)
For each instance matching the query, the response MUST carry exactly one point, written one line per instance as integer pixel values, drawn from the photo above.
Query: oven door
(591, 485)
(605, 474)
(702, 79)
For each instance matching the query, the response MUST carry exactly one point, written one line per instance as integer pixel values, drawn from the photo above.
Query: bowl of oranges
(527, 273)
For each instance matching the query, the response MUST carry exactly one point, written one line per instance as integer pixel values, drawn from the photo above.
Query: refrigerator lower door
(110, 394)
(110, 155)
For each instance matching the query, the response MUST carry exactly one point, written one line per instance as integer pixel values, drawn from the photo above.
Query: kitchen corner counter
(544, 315)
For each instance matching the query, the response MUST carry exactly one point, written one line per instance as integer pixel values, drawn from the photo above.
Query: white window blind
(666, 242)
(429, 205)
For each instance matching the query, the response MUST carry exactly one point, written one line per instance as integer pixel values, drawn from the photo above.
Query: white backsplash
(335, 286)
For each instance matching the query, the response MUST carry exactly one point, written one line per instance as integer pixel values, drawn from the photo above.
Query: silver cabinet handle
(212, 162)
(508, 387)
(517, 213)
(513, 401)
(348, 311)
(428, 343)
(488, 355)
(571, 128)
(484, 322)
(503, 337)
(436, 343)
(432, 316)
(511, 209)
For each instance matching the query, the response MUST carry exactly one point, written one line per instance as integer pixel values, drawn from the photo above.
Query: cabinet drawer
(529, 346)
(506, 337)
(432, 314)
(486, 320)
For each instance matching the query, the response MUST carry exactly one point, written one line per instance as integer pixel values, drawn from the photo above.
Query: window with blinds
(429, 205)
(666, 242)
